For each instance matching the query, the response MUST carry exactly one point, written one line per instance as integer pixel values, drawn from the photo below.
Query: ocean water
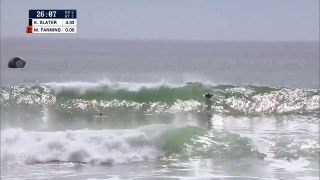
(261, 123)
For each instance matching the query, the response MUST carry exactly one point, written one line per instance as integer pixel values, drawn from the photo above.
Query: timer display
(52, 21)
(59, 14)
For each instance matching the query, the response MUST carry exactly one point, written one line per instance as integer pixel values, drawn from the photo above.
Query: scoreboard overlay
(52, 21)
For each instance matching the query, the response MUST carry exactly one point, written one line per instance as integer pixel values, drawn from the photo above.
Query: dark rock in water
(16, 62)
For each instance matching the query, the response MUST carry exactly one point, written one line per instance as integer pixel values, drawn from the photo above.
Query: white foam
(295, 165)
(83, 87)
(86, 146)
(308, 178)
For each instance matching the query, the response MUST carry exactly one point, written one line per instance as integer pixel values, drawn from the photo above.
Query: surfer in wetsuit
(208, 95)
(208, 100)
(208, 103)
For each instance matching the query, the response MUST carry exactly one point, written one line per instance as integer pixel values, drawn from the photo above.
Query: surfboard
(148, 114)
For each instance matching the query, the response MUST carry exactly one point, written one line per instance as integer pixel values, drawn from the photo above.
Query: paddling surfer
(100, 118)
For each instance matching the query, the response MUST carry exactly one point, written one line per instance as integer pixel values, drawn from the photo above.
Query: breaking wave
(162, 98)
(110, 147)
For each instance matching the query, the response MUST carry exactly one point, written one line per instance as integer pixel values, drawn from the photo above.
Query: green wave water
(227, 99)
(191, 141)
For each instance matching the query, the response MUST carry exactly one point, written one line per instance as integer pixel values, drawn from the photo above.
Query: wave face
(162, 98)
